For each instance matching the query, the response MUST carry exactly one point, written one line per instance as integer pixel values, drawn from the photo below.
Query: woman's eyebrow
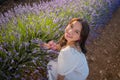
(76, 30)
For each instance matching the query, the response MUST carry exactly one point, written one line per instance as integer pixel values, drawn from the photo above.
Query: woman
(71, 63)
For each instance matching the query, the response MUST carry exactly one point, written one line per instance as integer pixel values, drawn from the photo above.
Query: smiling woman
(71, 63)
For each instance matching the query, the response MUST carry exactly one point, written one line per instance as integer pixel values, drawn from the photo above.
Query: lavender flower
(1, 59)
(17, 75)
(37, 41)
(52, 51)
(1, 48)
(34, 51)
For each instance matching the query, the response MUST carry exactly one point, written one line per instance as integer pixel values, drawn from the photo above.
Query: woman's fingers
(52, 45)
(45, 45)
(49, 45)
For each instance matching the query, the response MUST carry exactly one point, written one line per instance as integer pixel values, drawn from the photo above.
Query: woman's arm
(60, 77)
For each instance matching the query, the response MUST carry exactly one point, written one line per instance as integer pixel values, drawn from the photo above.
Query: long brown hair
(83, 35)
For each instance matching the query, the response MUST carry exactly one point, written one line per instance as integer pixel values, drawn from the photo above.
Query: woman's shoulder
(73, 51)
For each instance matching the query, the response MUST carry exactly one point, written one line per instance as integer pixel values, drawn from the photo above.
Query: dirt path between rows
(104, 52)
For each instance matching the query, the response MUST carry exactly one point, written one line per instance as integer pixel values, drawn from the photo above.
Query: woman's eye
(77, 32)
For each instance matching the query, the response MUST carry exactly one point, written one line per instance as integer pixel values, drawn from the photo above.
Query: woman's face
(72, 31)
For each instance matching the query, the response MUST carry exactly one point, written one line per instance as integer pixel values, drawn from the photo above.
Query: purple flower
(1, 48)
(56, 20)
(34, 51)
(36, 71)
(17, 75)
(0, 59)
(52, 51)
(37, 41)
(12, 61)
(27, 71)
(26, 44)
(23, 78)
(9, 53)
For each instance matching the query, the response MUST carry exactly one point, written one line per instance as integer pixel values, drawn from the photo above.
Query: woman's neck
(73, 44)
(70, 43)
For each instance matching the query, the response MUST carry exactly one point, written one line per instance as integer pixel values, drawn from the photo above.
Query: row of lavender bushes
(23, 27)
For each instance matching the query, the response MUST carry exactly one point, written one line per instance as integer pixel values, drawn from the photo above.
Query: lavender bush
(20, 28)
(25, 61)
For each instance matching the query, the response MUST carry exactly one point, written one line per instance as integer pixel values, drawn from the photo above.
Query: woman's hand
(50, 45)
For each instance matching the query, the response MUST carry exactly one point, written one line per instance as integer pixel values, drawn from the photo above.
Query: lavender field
(24, 27)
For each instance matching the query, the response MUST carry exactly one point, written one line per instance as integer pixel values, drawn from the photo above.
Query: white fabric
(71, 63)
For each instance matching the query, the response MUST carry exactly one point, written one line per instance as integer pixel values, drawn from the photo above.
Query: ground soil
(103, 53)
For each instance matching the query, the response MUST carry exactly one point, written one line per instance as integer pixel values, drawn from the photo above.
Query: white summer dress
(70, 63)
